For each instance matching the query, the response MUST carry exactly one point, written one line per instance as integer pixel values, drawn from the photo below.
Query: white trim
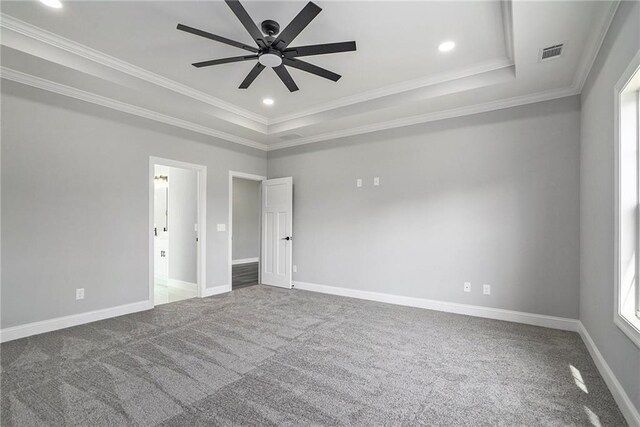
(216, 290)
(430, 117)
(41, 35)
(29, 80)
(554, 322)
(397, 88)
(48, 85)
(28, 329)
(625, 404)
(625, 326)
(55, 40)
(201, 172)
(245, 261)
(506, 7)
(252, 177)
(593, 45)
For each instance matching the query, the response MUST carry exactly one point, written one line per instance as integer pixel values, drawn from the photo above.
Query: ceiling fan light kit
(273, 50)
(270, 58)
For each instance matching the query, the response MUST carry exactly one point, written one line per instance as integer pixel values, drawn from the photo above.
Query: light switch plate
(295, 268)
(358, 182)
(467, 286)
(222, 227)
(376, 181)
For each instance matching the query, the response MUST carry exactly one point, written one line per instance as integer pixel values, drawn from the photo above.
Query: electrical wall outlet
(359, 182)
(376, 181)
(295, 268)
(467, 286)
(79, 293)
(486, 289)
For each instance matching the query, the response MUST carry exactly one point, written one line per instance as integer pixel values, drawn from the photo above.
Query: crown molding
(430, 117)
(507, 25)
(40, 83)
(394, 89)
(506, 7)
(36, 33)
(594, 44)
(588, 58)
(41, 35)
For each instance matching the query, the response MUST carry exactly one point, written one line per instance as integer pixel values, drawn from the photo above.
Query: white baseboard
(216, 290)
(26, 330)
(449, 307)
(627, 408)
(244, 261)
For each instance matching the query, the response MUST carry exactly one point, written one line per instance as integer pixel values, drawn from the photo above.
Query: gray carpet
(268, 356)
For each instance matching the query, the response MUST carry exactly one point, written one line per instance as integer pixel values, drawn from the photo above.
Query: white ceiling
(130, 52)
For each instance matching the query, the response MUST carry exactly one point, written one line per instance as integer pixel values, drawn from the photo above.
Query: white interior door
(277, 213)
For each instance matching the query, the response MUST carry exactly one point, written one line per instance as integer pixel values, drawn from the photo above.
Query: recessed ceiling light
(446, 46)
(52, 3)
(267, 101)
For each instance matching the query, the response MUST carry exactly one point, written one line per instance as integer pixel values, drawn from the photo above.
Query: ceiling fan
(272, 51)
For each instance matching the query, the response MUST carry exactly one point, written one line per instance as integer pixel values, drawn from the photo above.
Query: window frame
(631, 327)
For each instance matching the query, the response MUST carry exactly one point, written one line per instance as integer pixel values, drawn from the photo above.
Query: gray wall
(246, 218)
(490, 198)
(75, 208)
(597, 199)
(183, 215)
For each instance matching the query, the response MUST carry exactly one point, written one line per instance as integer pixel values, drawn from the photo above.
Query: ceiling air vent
(551, 52)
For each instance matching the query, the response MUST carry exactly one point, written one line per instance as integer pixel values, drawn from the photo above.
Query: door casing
(252, 177)
(201, 257)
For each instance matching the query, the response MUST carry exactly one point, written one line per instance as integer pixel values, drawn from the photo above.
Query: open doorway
(176, 270)
(245, 205)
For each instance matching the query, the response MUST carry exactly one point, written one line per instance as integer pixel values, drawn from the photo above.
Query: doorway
(177, 230)
(244, 226)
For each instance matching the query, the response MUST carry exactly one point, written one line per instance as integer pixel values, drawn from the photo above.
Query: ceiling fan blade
(306, 15)
(248, 23)
(310, 68)
(224, 61)
(216, 38)
(319, 49)
(255, 71)
(286, 78)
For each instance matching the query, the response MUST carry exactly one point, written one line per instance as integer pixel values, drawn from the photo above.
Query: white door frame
(252, 177)
(201, 172)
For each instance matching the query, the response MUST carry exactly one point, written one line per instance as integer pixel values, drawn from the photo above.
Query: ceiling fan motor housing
(270, 57)
(270, 27)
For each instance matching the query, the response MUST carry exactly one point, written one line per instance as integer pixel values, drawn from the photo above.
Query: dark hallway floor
(244, 275)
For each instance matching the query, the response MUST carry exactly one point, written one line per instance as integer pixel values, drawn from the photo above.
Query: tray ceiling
(132, 52)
